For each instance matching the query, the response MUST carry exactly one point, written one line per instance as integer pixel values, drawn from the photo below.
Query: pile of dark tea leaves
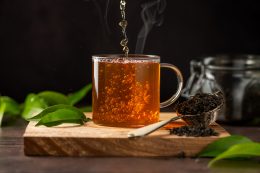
(195, 131)
(198, 104)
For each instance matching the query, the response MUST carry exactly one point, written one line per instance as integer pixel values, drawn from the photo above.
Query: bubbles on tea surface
(123, 25)
(124, 60)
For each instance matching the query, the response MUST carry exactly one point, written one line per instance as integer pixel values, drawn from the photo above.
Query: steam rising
(152, 15)
(102, 18)
(106, 16)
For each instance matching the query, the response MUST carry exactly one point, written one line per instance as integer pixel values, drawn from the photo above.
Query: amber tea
(126, 90)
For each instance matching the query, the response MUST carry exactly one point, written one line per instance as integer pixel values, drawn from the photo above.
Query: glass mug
(126, 90)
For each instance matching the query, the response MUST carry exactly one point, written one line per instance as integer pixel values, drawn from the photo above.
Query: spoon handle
(150, 128)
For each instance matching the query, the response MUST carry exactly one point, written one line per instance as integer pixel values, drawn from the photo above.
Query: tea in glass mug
(126, 90)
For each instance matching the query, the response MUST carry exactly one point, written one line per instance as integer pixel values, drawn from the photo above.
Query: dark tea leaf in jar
(251, 103)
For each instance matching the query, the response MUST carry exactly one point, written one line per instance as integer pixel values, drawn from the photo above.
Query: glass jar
(238, 77)
(199, 81)
(251, 101)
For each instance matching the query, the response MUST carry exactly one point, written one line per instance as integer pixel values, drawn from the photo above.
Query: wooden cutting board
(95, 140)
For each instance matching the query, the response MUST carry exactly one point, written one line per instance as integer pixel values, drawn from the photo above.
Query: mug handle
(180, 84)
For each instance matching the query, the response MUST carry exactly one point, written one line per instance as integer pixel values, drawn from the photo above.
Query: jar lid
(232, 62)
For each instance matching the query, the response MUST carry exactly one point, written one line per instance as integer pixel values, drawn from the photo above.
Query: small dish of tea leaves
(198, 112)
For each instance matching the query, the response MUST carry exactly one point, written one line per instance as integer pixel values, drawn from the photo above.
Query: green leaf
(8, 106)
(242, 150)
(86, 109)
(2, 111)
(33, 105)
(53, 109)
(221, 145)
(53, 98)
(58, 114)
(61, 116)
(12, 107)
(79, 95)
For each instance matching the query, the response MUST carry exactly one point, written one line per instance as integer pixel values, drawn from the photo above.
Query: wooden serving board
(95, 140)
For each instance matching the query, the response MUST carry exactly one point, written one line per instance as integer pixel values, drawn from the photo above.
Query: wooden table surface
(12, 158)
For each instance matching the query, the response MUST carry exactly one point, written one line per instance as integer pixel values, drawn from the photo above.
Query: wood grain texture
(95, 140)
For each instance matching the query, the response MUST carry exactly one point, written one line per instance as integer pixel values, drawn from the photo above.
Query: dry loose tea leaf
(193, 131)
(200, 103)
(200, 107)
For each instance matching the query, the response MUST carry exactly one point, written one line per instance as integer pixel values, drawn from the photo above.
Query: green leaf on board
(221, 145)
(53, 98)
(33, 105)
(79, 95)
(242, 150)
(8, 106)
(58, 114)
(53, 109)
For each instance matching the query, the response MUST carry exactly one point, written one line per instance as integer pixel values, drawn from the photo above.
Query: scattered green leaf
(2, 111)
(53, 98)
(221, 145)
(8, 106)
(33, 105)
(79, 95)
(12, 107)
(86, 109)
(242, 150)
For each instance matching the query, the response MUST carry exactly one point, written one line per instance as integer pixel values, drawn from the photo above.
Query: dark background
(47, 44)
